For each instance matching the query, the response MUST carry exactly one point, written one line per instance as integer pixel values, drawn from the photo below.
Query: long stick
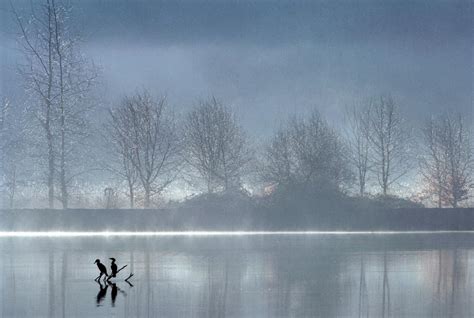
(116, 272)
(121, 268)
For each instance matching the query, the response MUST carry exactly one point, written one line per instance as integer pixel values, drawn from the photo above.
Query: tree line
(147, 147)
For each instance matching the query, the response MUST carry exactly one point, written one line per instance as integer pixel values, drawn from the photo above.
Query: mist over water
(282, 276)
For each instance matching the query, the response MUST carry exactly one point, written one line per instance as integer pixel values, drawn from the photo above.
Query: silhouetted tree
(447, 164)
(59, 78)
(390, 142)
(151, 143)
(358, 132)
(432, 165)
(216, 146)
(4, 112)
(12, 151)
(307, 152)
(120, 140)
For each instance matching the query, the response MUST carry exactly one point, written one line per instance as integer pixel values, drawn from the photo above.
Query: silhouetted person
(113, 267)
(102, 269)
(102, 292)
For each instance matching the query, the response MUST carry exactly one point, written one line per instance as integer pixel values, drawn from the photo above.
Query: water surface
(268, 276)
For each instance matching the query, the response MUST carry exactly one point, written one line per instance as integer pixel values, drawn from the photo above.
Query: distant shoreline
(180, 220)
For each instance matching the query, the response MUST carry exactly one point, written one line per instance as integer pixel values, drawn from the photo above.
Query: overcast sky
(271, 58)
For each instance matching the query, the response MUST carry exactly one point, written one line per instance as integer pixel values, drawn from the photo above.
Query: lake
(396, 275)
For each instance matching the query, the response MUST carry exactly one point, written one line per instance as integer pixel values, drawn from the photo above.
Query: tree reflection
(218, 284)
(386, 289)
(450, 297)
(363, 294)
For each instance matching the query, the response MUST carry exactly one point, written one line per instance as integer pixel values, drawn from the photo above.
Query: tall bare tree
(307, 152)
(5, 147)
(448, 163)
(216, 146)
(390, 140)
(358, 124)
(59, 78)
(433, 167)
(12, 151)
(37, 36)
(151, 143)
(119, 138)
(279, 159)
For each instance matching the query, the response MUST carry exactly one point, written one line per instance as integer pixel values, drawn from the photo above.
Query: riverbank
(250, 219)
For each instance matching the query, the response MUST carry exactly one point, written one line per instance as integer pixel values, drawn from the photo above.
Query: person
(102, 269)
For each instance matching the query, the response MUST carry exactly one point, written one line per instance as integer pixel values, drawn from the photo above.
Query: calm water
(315, 276)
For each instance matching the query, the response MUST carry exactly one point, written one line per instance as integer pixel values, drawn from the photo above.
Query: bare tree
(390, 140)
(307, 152)
(59, 78)
(5, 147)
(279, 161)
(432, 165)
(448, 162)
(150, 142)
(12, 151)
(216, 146)
(37, 37)
(358, 124)
(3, 114)
(11, 176)
(118, 136)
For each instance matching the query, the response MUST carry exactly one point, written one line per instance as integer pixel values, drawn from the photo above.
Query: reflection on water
(115, 290)
(240, 277)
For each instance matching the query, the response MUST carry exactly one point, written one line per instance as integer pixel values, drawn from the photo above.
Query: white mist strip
(212, 233)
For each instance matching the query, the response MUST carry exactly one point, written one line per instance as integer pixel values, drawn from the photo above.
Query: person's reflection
(102, 292)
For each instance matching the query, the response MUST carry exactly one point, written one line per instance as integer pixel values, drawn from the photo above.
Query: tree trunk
(209, 188)
(64, 192)
(13, 187)
(50, 168)
(131, 194)
(49, 135)
(147, 197)
(440, 204)
(455, 203)
(62, 179)
(361, 186)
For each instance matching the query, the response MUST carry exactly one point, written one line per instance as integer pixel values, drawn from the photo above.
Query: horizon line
(7, 234)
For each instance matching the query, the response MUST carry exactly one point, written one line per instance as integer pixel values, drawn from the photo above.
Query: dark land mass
(232, 212)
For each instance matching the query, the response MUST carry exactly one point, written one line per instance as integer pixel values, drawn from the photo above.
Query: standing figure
(102, 269)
